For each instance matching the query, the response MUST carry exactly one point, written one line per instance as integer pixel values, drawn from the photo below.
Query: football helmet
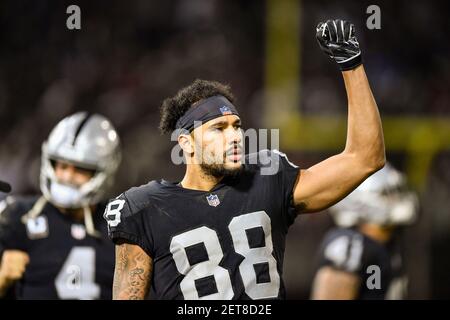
(87, 141)
(383, 198)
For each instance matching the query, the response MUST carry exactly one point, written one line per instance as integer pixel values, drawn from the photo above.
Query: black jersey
(65, 262)
(398, 286)
(227, 243)
(352, 251)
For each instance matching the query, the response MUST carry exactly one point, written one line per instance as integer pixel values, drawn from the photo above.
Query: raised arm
(329, 181)
(133, 273)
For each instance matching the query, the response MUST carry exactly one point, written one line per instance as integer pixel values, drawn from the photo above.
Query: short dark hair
(175, 107)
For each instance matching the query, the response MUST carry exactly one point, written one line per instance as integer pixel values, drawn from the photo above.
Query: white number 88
(210, 267)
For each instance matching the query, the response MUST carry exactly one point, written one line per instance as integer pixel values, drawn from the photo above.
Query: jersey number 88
(211, 268)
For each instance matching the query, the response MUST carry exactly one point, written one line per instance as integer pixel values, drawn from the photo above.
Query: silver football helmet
(86, 141)
(382, 199)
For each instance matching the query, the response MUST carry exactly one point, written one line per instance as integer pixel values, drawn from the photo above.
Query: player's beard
(220, 171)
(211, 165)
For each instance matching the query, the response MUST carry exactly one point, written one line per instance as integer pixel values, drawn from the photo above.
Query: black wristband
(351, 64)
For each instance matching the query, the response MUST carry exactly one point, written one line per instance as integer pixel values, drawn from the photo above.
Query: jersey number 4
(254, 257)
(76, 278)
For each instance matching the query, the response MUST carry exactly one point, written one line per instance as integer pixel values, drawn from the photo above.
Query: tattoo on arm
(132, 274)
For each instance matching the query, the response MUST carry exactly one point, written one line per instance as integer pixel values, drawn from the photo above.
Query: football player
(361, 259)
(4, 188)
(220, 232)
(56, 244)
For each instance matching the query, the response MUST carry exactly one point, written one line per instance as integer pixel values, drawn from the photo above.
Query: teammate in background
(368, 220)
(4, 188)
(220, 232)
(55, 245)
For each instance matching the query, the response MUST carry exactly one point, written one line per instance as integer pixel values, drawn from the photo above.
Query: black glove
(337, 39)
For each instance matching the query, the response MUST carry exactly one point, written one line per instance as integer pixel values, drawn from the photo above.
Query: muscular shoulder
(132, 202)
(343, 249)
(13, 207)
(337, 233)
(141, 197)
(128, 215)
(267, 161)
(13, 233)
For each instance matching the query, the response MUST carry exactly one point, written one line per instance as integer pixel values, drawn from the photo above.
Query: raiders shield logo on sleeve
(37, 228)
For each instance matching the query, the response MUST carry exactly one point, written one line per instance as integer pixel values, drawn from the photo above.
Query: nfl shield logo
(225, 110)
(213, 200)
(78, 231)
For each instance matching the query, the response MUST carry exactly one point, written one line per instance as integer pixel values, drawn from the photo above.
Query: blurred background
(130, 55)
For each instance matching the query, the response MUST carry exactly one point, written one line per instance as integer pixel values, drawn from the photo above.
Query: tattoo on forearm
(121, 265)
(132, 274)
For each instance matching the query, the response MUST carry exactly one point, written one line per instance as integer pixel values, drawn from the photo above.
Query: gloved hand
(337, 39)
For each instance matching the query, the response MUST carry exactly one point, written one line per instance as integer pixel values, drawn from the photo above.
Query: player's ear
(186, 143)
